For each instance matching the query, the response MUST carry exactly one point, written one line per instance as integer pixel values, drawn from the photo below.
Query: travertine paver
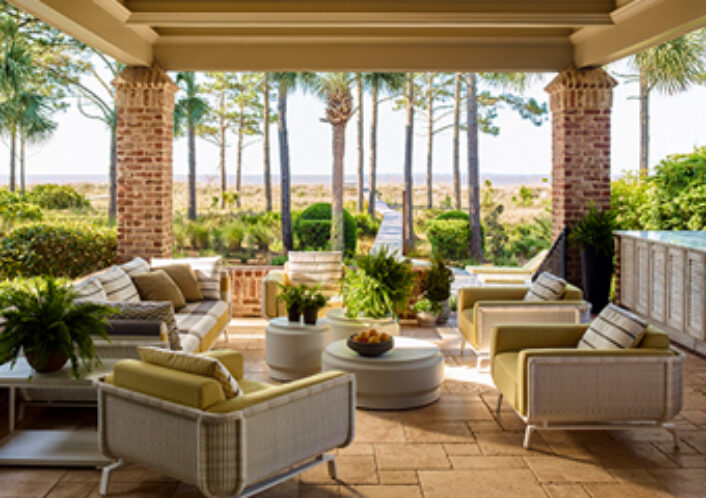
(453, 448)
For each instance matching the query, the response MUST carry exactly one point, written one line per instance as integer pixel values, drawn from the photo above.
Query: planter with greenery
(45, 324)
(292, 296)
(593, 234)
(436, 284)
(312, 302)
(427, 311)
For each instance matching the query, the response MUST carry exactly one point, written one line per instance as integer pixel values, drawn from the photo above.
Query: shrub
(52, 196)
(56, 250)
(322, 212)
(198, 234)
(448, 238)
(453, 215)
(259, 236)
(527, 239)
(13, 208)
(629, 199)
(233, 236)
(314, 234)
(278, 260)
(436, 281)
(367, 225)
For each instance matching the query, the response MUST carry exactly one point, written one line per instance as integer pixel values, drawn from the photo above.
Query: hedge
(321, 212)
(453, 215)
(448, 238)
(52, 196)
(57, 250)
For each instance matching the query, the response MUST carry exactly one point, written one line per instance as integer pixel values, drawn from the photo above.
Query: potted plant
(427, 312)
(593, 234)
(436, 284)
(292, 296)
(49, 327)
(312, 302)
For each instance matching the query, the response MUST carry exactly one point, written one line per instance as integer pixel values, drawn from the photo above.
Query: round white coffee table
(293, 349)
(408, 375)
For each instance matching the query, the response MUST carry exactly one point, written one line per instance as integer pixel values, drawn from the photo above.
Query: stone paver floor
(453, 448)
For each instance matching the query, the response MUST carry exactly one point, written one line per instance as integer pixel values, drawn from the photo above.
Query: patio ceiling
(370, 35)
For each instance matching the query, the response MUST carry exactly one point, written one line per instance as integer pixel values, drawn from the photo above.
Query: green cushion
(158, 286)
(183, 276)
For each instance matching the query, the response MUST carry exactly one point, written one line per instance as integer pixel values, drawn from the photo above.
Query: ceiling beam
(637, 26)
(89, 22)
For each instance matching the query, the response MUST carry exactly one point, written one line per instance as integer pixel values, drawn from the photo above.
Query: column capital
(574, 88)
(144, 77)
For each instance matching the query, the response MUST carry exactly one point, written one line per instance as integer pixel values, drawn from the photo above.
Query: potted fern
(436, 284)
(312, 302)
(46, 324)
(593, 234)
(292, 296)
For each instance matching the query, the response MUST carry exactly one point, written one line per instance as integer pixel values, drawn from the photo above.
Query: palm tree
(189, 111)
(335, 90)
(475, 246)
(266, 140)
(671, 67)
(361, 174)
(408, 243)
(378, 82)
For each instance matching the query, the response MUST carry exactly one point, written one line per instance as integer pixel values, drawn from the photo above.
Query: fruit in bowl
(370, 342)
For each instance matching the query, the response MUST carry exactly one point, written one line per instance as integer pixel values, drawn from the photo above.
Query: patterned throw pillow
(547, 287)
(207, 271)
(118, 286)
(162, 311)
(613, 328)
(192, 363)
(136, 267)
(90, 290)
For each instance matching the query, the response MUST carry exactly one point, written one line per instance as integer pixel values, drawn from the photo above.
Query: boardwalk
(390, 232)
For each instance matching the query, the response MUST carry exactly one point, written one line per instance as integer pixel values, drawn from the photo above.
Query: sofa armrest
(231, 359)
(271, 308)
(512, 338)
(468, 296)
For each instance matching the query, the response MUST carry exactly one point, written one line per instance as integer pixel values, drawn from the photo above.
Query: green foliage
(45, 320)
(260, 236)
(278, 260)
(367, 225)
(425, 305)
(52, 196)
(198, 234)
(381, 285)
(56, 250)
(292, 296)
(312, 238)
(595, 230)
(629, 199)
(497, 238)
(312, 299)
(436, 281)
(526, 196)
(448, 238)
(453, 215)
(525, 240)
(14, 209)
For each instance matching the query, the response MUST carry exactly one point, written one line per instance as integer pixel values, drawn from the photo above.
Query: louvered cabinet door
(627, 272)
(658, 282)
(676, 289)
(695, 276)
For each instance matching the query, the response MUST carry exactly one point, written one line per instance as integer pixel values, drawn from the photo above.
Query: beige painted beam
(638, 25)
(368, 54)
(88, 22)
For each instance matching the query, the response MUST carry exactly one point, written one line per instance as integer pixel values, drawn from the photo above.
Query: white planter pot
(426, 319)
(343, 327)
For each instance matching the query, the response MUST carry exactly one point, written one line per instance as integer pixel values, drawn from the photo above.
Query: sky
(678, 124)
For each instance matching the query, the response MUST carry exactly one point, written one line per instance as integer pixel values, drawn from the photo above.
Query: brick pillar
(144, 99)
(580, 101)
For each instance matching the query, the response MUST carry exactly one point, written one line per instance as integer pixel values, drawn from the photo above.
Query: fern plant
(436, 281)
(595, 230)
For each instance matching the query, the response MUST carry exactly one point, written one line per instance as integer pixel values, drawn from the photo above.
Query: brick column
(580, 101)
(144, 100)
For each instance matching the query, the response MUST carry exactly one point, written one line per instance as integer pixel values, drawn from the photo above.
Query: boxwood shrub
(453, 215)
(57, 250)
(311, 237)
(448, 238)
(52, 196)
(14, 208)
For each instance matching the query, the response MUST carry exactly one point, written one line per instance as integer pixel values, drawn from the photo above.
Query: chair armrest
(468, 296)
(271, 308)
(231, 359)
(510, 338)
(226, 289)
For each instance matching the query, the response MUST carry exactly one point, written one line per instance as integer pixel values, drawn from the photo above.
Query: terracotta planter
(52, 364)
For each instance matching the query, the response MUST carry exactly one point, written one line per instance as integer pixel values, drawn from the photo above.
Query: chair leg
(463, 345)
(332, 468)
(105, 475)
(673, 431)
(499, 405)
(528, 436)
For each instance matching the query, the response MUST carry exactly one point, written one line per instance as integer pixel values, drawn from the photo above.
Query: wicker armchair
(181, 425)
(553, 385)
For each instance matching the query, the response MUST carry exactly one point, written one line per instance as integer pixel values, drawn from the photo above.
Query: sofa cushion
(215, 309)
(546, 287)
(207, 271)
(189, 343)
(613, 328)
(185, 279)
(90, 290)
(135, 267)
(118, 286)
(207, 366)
(158, 286)
(198, 325)
(150, 310)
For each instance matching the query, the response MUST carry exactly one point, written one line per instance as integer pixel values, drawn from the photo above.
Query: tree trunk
(430, 138)
(284, 179)
(13, 146)
(339, 147)
(22, 163)
(372, 183)
(239, 157)
(266, 142)
(192, 171)
(474, 244)
(644, 126)
(456, 133)
(361, 172)
(224, 181)
(113, 174)
(408, 181)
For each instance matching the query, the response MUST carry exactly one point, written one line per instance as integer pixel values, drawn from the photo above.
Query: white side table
(407, 376)
(293, 349)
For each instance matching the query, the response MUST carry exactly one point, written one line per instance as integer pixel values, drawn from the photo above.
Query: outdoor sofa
(508, 274)
(181, 424)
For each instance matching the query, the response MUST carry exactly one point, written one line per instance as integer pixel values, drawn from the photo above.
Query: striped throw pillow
(206, 270)
(136, 267)
(192, 363)
(90, 290)
(118, 286)
(162, 311)
(547, 287)
(613, 328)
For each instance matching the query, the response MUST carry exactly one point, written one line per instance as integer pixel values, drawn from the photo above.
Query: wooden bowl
(374, 349)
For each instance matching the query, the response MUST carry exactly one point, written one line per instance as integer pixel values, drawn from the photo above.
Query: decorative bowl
(368, 349)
